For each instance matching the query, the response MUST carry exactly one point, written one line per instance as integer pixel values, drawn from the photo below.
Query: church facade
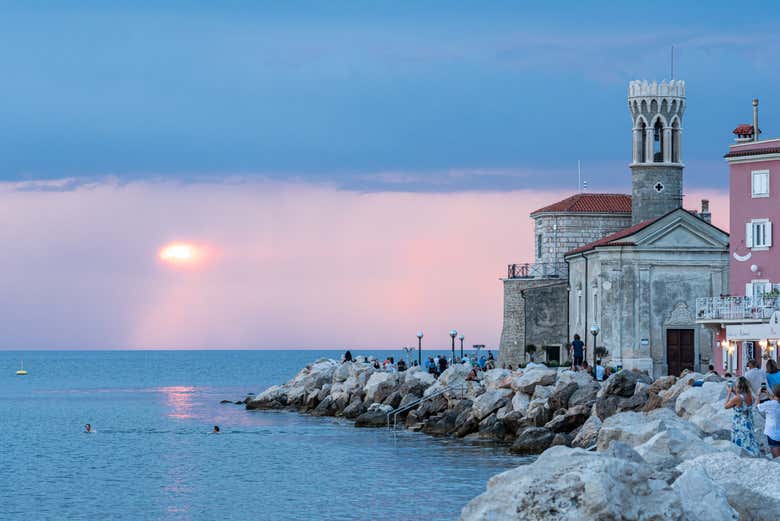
(636, 286)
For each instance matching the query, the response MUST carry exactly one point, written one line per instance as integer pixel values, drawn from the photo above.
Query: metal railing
(736, 308)
(395, 412)
(538, 270)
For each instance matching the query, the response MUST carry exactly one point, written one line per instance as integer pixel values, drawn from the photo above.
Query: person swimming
(88, 428)
(216, 430)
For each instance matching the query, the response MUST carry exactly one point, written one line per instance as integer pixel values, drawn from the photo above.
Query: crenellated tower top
(656, 164)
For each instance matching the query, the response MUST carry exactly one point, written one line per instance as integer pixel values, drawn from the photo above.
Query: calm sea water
(152, 456)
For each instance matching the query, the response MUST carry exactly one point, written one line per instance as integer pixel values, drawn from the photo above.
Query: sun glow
(181, 254)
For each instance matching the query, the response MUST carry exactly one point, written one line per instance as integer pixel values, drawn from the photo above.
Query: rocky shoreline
(626, 448)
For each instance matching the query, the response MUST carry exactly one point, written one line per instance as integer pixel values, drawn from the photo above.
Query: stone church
(628, 268)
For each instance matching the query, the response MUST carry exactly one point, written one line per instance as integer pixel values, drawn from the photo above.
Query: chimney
(755, 119)
(705, 214)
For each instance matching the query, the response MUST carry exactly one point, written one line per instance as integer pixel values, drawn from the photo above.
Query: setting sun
(180, 253)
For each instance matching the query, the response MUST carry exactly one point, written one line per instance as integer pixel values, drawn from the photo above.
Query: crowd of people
(757, 390)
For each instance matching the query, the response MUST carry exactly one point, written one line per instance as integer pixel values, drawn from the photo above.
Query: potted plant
(601, 352)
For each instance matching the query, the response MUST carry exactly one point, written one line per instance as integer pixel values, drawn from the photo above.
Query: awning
(769, 331)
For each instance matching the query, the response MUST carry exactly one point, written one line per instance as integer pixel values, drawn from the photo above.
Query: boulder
(528, 381)
(573, 484)
(533, 440)
(445, 423)
(559, 398)
(342, 372)
(512, 422)
(393, 399)
(275, 397)
(569, 420)
(496, 378)
(694, 399)
(354, 409)
(538, 411)
(750, 485)
(380, 383)
(702, 499)
(417, 375)
(670, 447)
(588, 434)
(520, 403)
(375, 416)
(431, 407)
(623, 383)
(585, 394)
(326, 407)
(493, 428)
(562, 438)
(490, 401)
(635, 428)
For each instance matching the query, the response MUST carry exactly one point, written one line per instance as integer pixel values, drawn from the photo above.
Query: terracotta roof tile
(743, 130)
(590, 203)
(754, 152)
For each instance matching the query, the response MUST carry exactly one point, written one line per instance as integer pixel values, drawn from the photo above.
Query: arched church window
(658, 142)
(642, 142)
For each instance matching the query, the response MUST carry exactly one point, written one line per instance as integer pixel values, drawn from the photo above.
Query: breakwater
(657, 449)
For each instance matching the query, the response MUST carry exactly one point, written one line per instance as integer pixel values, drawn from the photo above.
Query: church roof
(744, 130)
(614, 239)
(590, 203)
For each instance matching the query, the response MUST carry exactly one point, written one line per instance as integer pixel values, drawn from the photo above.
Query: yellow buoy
(21, 371)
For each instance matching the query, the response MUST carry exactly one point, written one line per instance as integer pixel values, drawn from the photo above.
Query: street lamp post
(419, 348)
(461, 346)
(453, 334)
(594, 330)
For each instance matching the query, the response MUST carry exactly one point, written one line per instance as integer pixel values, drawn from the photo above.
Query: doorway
(679, 350)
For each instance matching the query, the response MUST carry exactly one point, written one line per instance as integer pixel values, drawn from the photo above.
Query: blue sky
(371, 96)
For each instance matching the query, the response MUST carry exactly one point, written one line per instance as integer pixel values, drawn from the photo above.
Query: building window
(538, 245)
(595, 307)
(758, 233)
(760, 183)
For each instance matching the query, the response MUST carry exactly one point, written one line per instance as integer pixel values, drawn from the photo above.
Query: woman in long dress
(741, 400)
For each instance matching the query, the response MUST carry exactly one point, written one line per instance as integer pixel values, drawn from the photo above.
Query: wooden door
(679, 350)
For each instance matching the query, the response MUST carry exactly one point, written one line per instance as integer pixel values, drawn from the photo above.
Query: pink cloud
(293, 265)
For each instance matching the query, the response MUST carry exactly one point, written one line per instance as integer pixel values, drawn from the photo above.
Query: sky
(358, 171)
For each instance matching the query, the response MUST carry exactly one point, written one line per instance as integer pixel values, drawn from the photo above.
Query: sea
(152, 455)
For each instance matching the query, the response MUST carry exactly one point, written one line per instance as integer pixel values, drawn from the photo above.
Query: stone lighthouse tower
(656, 166)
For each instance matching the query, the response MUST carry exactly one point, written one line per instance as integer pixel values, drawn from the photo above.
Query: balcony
(723, 310)
(539, 270)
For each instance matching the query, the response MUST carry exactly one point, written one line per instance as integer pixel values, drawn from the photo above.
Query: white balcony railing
(736, 308)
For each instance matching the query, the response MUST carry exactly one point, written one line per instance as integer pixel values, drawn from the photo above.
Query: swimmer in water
(88, 428)
(216, 430)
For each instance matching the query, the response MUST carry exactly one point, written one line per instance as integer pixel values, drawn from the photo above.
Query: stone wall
(646, 201)
(539, 317)
(573, 230)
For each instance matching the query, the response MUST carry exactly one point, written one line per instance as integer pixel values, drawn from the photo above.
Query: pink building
(747, 320)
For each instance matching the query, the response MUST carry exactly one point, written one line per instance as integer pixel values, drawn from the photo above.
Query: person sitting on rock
(347, 356)
(472, 376)
(739, 398)
(401, 365)
(599, 371)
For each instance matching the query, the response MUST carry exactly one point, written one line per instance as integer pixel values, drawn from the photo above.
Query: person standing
(577, 352)
(741, 400)
(771, 411)
(755, 378)
(772, 375)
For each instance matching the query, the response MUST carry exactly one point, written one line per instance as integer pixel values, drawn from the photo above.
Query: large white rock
(750, 484)
(496, 378)
(342, 372)
(520, 403)
(576, 485)
(489, 401)
(528, 381)
(418, 375)
(581, 378)
(694, 399)
(588, 434)
(376, 379)
(539, 399)
(635, 428)
(672, 446)
(703, 499)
